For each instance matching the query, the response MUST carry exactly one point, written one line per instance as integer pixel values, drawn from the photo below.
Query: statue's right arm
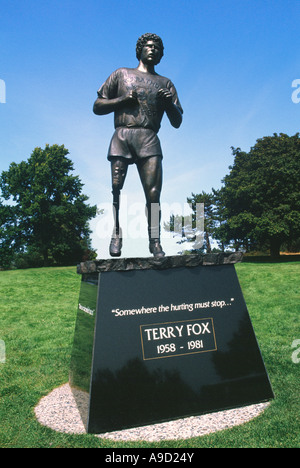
(106, 106)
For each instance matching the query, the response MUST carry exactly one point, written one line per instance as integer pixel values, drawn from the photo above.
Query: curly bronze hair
(144, 39)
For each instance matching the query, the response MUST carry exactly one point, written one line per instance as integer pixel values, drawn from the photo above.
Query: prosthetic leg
(119, 171)
(154, 218)
(116, 240)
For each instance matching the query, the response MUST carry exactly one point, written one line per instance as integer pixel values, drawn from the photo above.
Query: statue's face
(151, 53)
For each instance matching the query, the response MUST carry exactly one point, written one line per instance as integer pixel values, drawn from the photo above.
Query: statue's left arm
(172, 105)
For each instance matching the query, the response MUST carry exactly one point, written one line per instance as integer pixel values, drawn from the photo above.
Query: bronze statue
(139, 97)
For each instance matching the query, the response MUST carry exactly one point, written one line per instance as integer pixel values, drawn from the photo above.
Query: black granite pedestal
(157, 340)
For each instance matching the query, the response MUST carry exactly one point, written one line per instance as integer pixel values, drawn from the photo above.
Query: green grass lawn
(37, 319)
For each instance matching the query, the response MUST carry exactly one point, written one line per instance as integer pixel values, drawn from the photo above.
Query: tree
(52, 214)
(9, 240)
(261, 194)
(208, 200)
(199, 226)
(220, 225)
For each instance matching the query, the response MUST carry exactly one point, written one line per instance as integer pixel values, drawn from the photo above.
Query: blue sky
(232, 61)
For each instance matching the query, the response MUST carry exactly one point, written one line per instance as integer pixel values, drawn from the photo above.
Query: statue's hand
(131, 97)
(165, 95)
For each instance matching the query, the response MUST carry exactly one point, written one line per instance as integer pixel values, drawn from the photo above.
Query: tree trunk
(275, 247)
(46, 258)
(208, 246)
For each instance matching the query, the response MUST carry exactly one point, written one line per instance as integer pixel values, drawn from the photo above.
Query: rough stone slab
(151, 263)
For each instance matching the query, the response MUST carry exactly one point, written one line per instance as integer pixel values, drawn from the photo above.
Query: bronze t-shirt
(149, 110)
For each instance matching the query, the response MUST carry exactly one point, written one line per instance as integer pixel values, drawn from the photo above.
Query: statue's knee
(153, 195)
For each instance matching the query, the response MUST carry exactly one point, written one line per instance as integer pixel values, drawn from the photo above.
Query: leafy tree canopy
(261, 194)
(51, 211)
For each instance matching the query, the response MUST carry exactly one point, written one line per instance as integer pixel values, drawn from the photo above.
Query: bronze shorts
(134, 144)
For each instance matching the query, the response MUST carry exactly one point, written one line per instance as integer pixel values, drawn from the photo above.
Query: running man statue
(139, 97)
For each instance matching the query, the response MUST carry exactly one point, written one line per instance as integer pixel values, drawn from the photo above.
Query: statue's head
(142, 41)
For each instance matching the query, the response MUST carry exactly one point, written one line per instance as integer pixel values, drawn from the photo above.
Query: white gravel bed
(59, 412)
